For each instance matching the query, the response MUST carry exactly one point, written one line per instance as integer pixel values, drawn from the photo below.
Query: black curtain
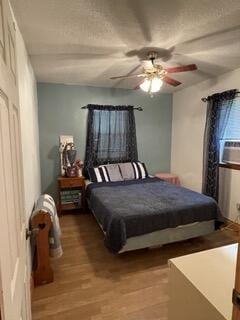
(218, 110)
(111, 135)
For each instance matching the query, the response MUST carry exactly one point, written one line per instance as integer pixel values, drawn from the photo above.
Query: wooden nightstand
(71, 194)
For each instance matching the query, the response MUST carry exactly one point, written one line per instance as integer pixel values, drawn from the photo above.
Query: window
(111, 130)
(111, 135)
(230, 143)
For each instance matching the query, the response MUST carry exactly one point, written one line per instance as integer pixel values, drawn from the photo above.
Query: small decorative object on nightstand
(169, 177)
(71, 193)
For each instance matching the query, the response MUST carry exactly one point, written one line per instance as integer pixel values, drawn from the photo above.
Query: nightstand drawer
(71, 183)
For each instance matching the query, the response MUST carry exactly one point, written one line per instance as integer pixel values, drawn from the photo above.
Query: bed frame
(161, 237)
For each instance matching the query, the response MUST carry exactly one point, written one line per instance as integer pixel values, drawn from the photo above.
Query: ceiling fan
(154, 74)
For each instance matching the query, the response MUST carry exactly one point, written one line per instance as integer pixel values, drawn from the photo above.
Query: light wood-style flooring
(92, 284)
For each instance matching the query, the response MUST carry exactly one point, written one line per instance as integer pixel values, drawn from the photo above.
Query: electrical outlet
(65, 139)
(238, 206)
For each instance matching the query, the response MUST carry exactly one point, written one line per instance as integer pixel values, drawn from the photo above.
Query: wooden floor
(92, 284)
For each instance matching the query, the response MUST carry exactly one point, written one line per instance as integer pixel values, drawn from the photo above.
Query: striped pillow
(133, 170)
(113, 172)
(127, 170)
(140, 171)
(105, 173)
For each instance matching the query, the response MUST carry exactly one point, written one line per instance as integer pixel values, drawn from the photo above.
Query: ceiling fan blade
(189, 67)
(128, 77)
(171, 81)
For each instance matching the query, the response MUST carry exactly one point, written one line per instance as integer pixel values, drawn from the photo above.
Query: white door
(14, 301)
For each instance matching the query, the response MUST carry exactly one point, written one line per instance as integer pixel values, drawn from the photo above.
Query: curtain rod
(135, 108)
(204, 99)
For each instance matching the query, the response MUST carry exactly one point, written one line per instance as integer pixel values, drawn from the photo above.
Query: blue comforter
(131, 208)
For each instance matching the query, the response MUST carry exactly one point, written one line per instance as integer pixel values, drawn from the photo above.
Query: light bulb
(145, 85)
(156, 84)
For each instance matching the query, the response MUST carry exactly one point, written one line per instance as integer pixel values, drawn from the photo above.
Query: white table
(201, 284)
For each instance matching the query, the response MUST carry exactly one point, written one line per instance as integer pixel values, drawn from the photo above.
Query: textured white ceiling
(87, 41)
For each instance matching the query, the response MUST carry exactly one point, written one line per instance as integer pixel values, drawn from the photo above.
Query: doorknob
(30, 233)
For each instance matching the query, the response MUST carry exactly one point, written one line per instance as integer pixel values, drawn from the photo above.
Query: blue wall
(60, 113)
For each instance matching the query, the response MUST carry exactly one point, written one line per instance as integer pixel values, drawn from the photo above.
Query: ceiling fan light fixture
(156, 84)
(145, 86)
(151, 85)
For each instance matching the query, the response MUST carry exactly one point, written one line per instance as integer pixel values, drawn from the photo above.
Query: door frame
(1, 293)
(236, 310)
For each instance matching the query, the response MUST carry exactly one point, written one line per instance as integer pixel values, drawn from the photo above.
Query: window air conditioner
(231, 152)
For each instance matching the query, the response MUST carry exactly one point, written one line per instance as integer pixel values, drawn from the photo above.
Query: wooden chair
(42, 271)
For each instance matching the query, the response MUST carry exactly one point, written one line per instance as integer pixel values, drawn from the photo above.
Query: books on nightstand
(71, 197)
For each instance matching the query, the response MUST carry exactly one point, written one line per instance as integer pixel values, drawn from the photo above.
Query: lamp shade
(151, 85)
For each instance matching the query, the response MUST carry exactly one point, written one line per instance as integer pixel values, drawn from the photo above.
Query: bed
(149, 212)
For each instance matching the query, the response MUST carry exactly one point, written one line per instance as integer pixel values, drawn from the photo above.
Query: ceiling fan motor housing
(152, 55)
